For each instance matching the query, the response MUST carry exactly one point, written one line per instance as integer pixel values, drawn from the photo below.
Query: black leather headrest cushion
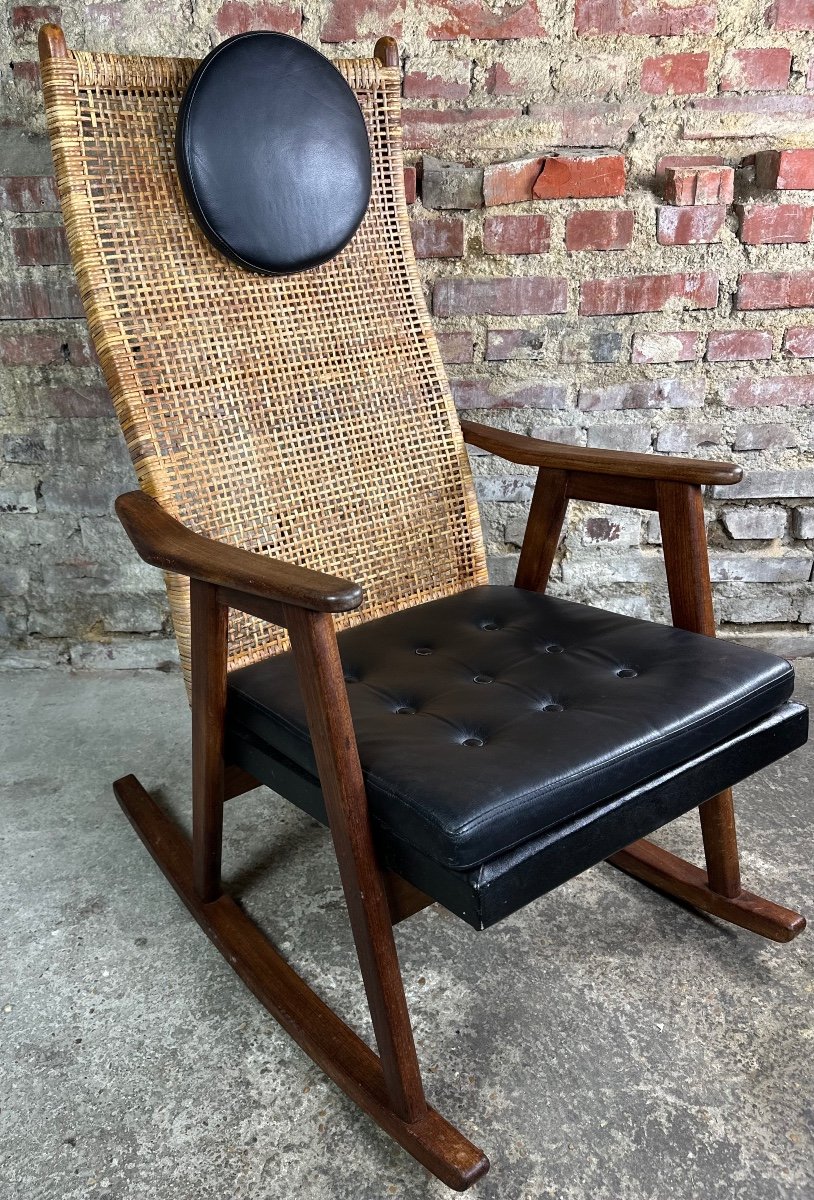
(273, 154)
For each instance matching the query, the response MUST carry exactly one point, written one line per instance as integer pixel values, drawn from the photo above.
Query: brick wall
(613, 211)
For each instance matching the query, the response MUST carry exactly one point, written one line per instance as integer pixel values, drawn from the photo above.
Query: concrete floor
(603, 1044)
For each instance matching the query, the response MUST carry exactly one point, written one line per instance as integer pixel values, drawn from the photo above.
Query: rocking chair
(241, 241)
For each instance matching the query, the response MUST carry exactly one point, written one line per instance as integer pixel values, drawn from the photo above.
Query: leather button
(473, 741)
(552, 708)
(483, 679)
(554, 649)
(627, 673)
(423, 650)
(405, 711)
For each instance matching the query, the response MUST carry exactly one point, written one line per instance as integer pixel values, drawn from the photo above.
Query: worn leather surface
(488, 718)
(273, 154)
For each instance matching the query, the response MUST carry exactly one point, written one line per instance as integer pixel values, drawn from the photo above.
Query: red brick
(456, 345)
(512, 296)
(592, 123)
(679, 346)
(735, 345)
(237, 16)
(699, 185)
(799, 341)
(689, 226)
(29, 193)
(43, 350)
(441, 238)
(764, 70)
(421, 86)
(24, 298)
(27, 73)
(410, 184)
(582, 176)
(677, 161)
(516, 235)
(431, 127)
(781, 389)
(785, 170)
(675, 74)
(791, 14)
(351, 20)
(599, 229)
(642, 394)
(476, 19)
(27, 18)
(767, 224)
(782, 116)
(775, 289)
(45, 245)
(648, 293)
(481, 393)
(500, 81)
(510, 182)
(658, 18)
(597, 75)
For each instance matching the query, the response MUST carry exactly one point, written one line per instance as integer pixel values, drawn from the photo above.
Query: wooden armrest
(164, 542)
(534, 452)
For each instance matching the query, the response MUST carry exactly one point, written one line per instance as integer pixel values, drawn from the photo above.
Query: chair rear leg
(718, 890)
(721, 844)
(686, 559)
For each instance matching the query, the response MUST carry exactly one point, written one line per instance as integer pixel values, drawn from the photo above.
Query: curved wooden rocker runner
(277, 424)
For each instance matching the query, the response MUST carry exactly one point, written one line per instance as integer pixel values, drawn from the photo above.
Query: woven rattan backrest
(306, 417)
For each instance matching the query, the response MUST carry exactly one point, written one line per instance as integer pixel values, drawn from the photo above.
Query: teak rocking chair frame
(304, 602)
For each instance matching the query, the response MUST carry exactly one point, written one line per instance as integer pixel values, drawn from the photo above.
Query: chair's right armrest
(164, 542)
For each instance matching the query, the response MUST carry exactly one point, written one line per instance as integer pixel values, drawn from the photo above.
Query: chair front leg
(313, 642)
(683, 534)
(208, 642)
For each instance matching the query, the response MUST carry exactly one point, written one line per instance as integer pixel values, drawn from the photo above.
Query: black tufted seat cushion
(488, 718)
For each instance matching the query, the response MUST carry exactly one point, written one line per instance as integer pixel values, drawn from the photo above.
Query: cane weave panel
(305, 417)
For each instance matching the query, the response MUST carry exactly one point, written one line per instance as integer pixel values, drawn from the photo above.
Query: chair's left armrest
(534, 452)
(165, 542)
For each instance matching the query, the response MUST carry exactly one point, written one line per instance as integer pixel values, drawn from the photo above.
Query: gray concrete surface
(603, 1044)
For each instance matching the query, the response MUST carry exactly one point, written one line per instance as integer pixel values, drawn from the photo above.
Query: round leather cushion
(273, 154)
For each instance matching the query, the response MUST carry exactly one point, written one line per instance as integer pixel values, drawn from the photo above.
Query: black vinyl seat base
(509, 739)
(495, 889)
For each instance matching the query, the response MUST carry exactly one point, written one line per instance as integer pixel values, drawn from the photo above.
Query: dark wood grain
(403, 898)
(51, 42)
(665, 871)
(543, 529)
(313, 642)
(236, 782)
(164, 542)
(684, 541)
(534, 452)
(209, 628)
(333, 1046)
(622, 490)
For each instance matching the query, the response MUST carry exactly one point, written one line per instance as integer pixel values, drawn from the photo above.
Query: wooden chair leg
(208, 628)
(718, 889)
(333, 1046)
(686, 559)
(313, 642)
